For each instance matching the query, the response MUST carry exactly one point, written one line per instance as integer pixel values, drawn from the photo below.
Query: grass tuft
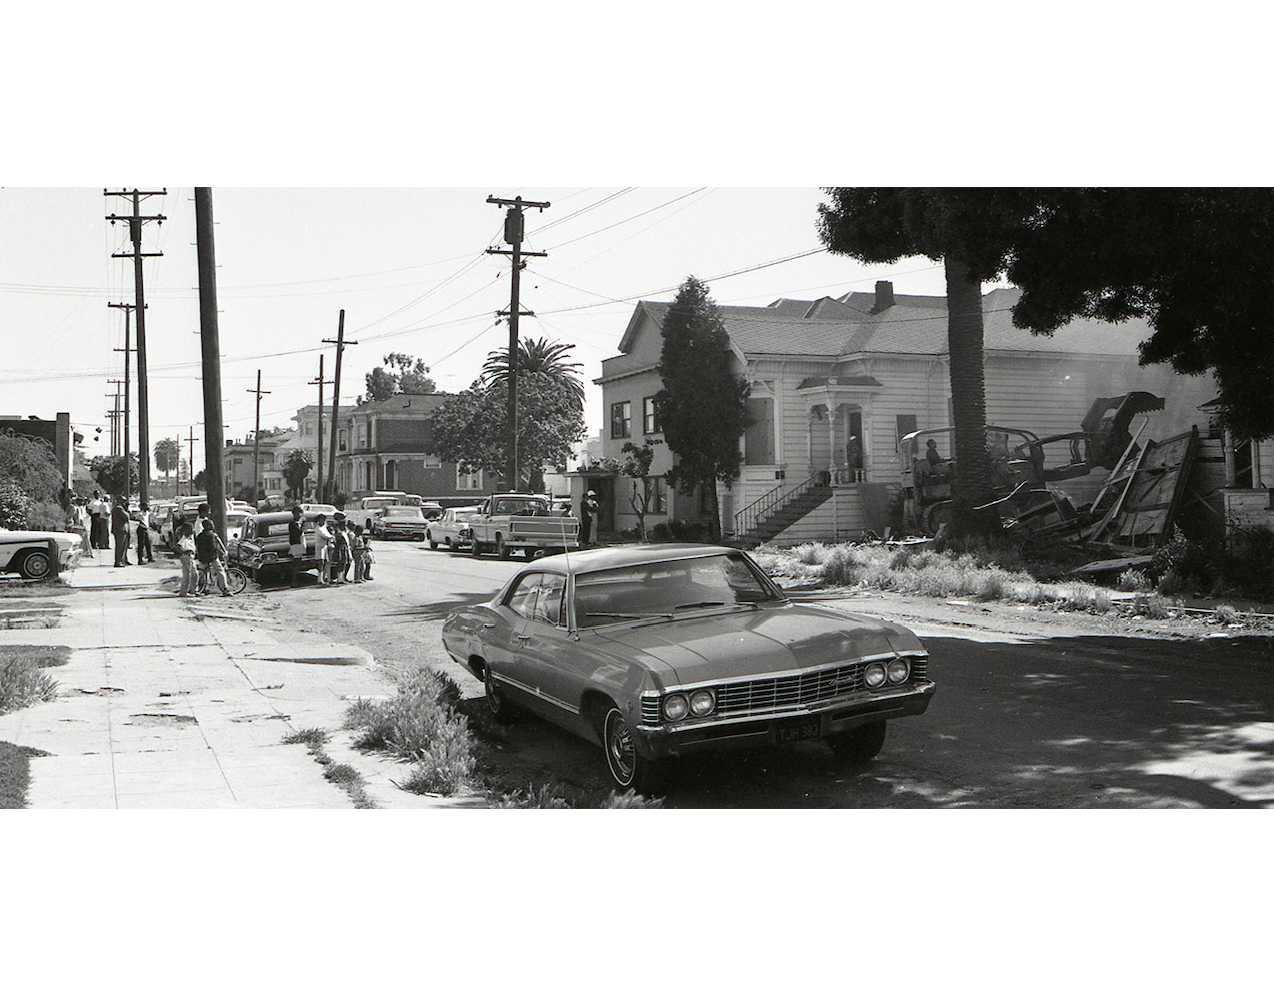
(342, 773)
(306, 736)
(23, 683)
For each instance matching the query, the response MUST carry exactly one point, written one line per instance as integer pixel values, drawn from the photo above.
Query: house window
(658, 501)
(468, 481)
(621, 420)
(649, 422)
(343, 444)
(309, 430)
(705, 499)
(758, 437)
(905, 423)
(432, 462)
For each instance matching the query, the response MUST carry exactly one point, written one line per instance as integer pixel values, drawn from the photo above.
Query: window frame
(621, 413)
(649, 419)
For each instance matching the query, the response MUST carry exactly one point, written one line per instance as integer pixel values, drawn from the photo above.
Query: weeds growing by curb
(420, 723)
(341, 774)
(23, 681)
(560, 796)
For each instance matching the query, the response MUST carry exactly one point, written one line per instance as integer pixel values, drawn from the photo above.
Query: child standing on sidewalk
(366, 537)
(323, 549)
(359, 549)
(186, 554)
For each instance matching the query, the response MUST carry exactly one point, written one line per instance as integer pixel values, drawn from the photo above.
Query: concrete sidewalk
(183, 703)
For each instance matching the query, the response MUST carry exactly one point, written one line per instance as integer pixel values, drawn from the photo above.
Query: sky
(409, 268)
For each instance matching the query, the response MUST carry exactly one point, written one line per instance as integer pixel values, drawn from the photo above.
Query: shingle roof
(915, 324)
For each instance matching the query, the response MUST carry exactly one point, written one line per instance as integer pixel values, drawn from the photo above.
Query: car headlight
(875, 674)
(898, 670)
(702, 702)
(268, 557)
(676, 706)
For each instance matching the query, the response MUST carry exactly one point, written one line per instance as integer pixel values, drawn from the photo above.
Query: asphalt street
(1033, 709)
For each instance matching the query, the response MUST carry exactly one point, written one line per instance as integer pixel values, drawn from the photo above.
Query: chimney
(229, 442)
(884, 296)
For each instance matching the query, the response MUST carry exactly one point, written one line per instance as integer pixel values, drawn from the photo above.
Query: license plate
(799, 730)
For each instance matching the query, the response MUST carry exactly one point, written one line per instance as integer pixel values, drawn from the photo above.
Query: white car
(36, 555)
(452, 529)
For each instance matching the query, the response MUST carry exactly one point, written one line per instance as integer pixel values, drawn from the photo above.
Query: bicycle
(236, 580)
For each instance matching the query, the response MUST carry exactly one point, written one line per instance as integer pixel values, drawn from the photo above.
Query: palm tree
(167, 455)
(537, 356)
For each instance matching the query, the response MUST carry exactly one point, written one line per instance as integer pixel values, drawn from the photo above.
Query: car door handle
(488, 626)
(523, 636)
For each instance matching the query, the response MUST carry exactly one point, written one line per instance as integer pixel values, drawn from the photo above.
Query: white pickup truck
(521, 521)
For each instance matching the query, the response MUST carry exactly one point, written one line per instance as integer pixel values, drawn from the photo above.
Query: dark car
(657, 651)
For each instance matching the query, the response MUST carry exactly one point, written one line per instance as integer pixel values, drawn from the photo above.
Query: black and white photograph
(523, 419)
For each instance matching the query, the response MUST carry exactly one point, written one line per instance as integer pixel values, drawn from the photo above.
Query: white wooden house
(869, 366)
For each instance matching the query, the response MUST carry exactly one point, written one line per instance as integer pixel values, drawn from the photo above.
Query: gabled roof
(914, 324)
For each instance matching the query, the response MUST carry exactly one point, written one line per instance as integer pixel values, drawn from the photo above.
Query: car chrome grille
(776, 692)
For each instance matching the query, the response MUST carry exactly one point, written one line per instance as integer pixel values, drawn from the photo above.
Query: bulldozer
(1022, 466)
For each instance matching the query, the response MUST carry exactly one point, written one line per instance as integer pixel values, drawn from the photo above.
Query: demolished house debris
(1131, 514)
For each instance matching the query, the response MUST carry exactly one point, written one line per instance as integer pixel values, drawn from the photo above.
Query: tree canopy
(471, 427)
(296, 467)
(537, 356)
(702, 406)
(167, 454)
(109, 471)
(1197, 264)
(30, 465)
(401, 373)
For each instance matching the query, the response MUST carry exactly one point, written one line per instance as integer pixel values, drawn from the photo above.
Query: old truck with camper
(520, 521)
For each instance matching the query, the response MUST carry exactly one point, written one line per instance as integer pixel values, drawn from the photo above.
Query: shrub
(630, 799)
(23, 683)
(810, 553)
(1226, 614)
(1133, 581)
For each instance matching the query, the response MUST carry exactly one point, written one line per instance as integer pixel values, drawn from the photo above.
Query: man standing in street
(144, 554)
(209, 550)
(588, 511)
(98, 510)
(119, 528)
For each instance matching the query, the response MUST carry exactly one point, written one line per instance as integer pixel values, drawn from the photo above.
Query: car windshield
(666, 588)
(402, 511)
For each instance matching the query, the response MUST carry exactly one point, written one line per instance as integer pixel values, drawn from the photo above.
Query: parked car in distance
(451, 529)
(359, 511)
(36, 554)
(312, 508)
(263, 549)
(398, 522)
(521, 521)
(656, 651)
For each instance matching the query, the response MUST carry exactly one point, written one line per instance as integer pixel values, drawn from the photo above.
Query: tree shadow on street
(436, 610)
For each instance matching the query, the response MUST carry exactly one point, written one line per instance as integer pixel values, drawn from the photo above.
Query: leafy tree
(296, 467)
(108, 470)
(167, 455)
(702, 406)
(537, 356)
(201, 480)
(1198, 264)
(402, 373)
(30, 465)
(637, 468)
(471, 428)
(15, 506)
(972, 232)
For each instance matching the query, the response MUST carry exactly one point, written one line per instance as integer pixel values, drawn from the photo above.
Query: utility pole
(135, 222)
(214, 466)
(114, 415)
(341, 343)
(190, 474)
(128, 471)
(318, 443)
(514, 231)
(256, 445)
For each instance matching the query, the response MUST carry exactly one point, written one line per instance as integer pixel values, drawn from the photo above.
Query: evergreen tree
(702, 406)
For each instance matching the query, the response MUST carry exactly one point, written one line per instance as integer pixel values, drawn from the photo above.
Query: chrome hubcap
(619, 746)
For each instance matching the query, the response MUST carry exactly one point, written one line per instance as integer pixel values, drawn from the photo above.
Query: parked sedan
(36, 555)
(399, 522)
(452, 529)
(656, 651)
(262, 548)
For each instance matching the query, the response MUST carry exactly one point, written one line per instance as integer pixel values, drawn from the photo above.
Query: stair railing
(749, 519)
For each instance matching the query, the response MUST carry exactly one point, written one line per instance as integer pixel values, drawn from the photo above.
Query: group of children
(202, 558)
(340, 546)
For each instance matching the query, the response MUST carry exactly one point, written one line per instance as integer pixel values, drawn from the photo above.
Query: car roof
(608, 557)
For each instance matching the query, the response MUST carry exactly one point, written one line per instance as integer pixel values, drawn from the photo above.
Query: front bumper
(401, 533)
(765, 729)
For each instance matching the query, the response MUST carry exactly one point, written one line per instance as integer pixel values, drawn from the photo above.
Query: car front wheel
(861, 745)
(629, 768)
(35, 565)
(432, 544)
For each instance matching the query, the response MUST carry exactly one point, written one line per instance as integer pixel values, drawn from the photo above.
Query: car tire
(476, 548)
(860, 745)
(432, 544)
(530, 552)
(35, 565)
(498, 705)
(629, 769)
(505, 551)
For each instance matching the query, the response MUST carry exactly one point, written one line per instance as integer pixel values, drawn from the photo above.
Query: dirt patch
(180, 719)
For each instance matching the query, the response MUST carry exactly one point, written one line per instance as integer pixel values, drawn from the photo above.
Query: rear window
(402, 511)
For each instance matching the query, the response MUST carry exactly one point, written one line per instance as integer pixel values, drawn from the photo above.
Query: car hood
(753, 642)
(62, 538)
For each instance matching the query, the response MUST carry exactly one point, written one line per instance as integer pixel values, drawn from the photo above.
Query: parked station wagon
(36, 555)
(262, 547)
(653, 652)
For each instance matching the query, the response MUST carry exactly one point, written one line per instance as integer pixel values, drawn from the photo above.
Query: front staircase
(764, 519)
